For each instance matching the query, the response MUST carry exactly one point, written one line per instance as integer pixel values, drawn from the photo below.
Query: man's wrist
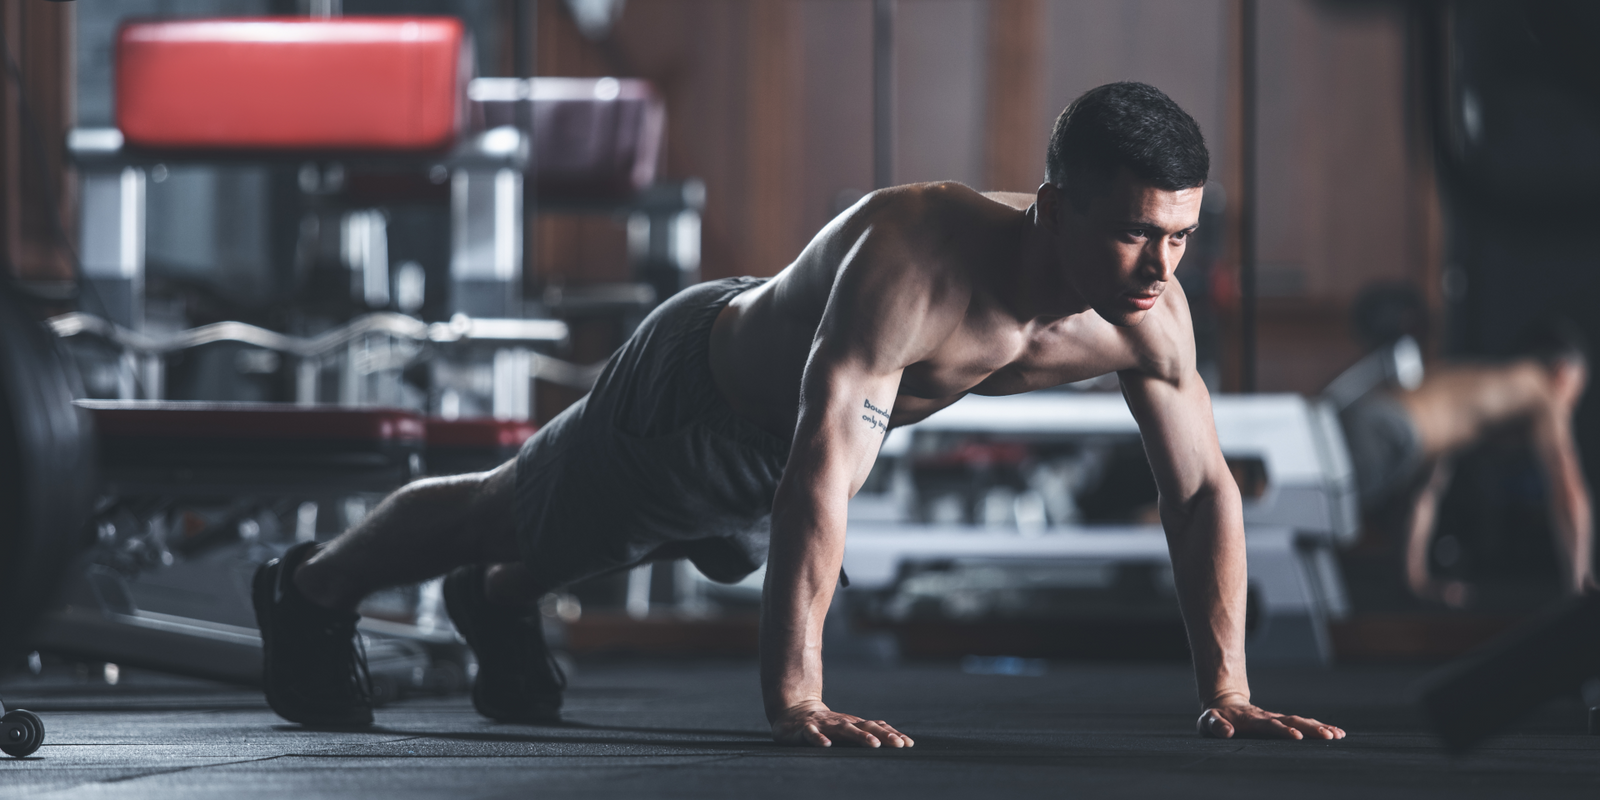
(782, 710)
(1229, 697)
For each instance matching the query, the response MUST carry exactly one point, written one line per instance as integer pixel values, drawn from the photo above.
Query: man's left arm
(1567, 494)
(1203, 518)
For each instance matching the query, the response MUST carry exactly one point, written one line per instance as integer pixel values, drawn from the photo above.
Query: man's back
(940, 254)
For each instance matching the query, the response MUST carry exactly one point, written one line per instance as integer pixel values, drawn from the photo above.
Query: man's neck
(1029, 282)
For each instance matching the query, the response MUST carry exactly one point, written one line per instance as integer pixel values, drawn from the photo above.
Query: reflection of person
(1402, 438)
(743, 403)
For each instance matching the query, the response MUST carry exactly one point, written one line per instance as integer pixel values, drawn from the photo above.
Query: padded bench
(186, 448)
(457, 446)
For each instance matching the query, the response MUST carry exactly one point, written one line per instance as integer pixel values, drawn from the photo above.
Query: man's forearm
(1568, 498)
(802, 569)
(1206, 542)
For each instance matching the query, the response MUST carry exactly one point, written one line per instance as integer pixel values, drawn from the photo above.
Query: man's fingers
(856, 735)
(1284, 729)
(908, 742)
(884, 733)
(1313, 728)
(1317, 729)
(815, 736)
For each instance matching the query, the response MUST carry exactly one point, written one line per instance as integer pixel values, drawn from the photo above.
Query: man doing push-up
(735, 425)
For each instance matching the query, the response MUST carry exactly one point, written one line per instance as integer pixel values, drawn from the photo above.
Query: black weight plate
(32, 729)
(47, 476)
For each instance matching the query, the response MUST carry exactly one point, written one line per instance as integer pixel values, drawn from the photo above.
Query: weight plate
(47, 474)
(23, 733)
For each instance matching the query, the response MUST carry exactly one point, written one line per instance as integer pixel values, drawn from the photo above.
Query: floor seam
(172, 771)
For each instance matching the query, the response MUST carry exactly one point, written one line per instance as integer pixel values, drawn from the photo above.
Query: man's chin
(1120, 315)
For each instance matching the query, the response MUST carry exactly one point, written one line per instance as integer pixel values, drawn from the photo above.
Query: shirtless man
(744, 404)
(1402, 440)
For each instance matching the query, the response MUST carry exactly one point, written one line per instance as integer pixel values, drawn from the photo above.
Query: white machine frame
(1307, 509)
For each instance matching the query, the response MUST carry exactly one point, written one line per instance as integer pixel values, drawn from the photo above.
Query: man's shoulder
(943, 206)
(1162, 344)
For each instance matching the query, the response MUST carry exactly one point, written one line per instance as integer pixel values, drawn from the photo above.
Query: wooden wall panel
(1014, 141)
(769, 104)
(731, 75)
(38, 39)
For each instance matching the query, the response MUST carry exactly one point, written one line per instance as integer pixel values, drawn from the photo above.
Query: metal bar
(459, 329)
(883, 93)
(1247, 206)
(312, 351)
(524, 21)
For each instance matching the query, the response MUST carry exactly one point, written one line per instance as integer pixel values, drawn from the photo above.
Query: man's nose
(1160, 260)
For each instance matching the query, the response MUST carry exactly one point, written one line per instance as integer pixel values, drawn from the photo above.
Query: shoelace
(363, 678)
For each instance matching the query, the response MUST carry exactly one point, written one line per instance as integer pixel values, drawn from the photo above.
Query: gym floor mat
(680, 728)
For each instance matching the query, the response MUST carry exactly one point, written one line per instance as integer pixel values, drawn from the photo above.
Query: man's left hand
(1242, 719)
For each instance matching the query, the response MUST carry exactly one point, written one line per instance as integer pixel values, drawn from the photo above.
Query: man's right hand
(813, 724)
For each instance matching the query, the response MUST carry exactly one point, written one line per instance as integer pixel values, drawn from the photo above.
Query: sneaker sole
(261, 596)
(456, 607)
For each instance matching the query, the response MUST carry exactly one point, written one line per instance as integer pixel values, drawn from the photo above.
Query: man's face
(1120, 254)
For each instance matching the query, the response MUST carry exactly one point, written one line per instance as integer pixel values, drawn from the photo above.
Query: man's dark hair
(1384, 311)
(1124, 125)
(1552, 341)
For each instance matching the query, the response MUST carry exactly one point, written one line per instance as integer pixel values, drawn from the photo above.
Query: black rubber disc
(21, 733)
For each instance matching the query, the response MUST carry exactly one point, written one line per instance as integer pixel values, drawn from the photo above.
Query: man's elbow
(1213, 502)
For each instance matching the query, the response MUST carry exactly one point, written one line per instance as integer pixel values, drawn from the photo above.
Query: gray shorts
(1385, 449)
(652, 463)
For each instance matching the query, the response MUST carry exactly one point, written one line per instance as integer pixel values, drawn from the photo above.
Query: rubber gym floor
(694, 729)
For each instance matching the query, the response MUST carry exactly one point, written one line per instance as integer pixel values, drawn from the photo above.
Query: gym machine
(1008, 505)
(195, 494)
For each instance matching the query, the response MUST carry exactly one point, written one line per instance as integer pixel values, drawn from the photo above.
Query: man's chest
(1018, 362)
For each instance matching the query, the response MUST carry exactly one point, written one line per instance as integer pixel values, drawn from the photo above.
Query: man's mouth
(1144, 301)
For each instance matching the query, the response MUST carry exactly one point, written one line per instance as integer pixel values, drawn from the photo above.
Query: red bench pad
(457, 446)
(190, 421)
(178, 447)
(478, 432)
(375, 83)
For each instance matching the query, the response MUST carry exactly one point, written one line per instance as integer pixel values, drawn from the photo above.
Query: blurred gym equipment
(1043, 504)
(46, 484)
(376, 392)
(1483, 694)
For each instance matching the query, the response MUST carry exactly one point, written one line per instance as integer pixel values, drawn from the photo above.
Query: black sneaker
(314, 670)
(518, 680)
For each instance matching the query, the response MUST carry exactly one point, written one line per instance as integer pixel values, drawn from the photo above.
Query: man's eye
(1135, 233)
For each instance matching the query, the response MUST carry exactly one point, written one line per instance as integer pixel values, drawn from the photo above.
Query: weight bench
(458, 446)
(161, 592)
(187, 449)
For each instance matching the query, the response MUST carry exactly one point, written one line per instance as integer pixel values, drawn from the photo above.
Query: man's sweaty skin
(1458, 405)
(920, 295)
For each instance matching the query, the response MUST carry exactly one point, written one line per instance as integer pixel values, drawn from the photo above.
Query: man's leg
(422, 531)
(313, 671)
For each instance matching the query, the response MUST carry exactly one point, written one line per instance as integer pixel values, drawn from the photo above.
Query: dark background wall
(770, 104)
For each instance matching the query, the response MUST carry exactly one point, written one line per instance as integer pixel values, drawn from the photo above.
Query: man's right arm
(1567, 493)
(886, 311)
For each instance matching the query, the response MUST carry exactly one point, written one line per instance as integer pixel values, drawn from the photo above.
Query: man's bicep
(844, 418)
(1180, 436)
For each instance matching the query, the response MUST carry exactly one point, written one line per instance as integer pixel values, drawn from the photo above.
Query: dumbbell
(1482, 694)
(21, 732)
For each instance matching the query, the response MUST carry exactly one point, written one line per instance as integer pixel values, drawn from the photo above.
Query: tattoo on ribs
(873, 423)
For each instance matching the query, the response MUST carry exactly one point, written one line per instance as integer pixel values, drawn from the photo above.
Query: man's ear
(1051, 202)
